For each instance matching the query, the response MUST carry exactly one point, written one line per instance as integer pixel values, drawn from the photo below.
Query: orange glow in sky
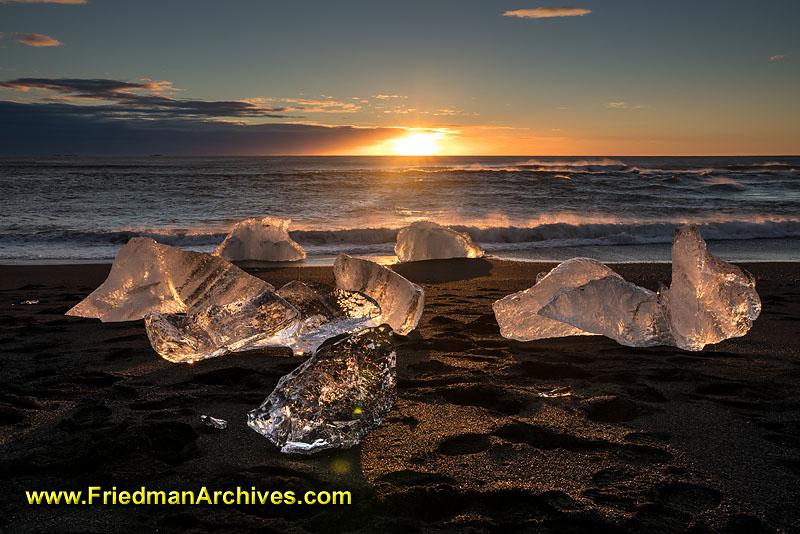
(417, 144)
(487, 81)
(415, 141)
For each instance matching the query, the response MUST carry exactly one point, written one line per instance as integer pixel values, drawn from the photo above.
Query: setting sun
(417, 144)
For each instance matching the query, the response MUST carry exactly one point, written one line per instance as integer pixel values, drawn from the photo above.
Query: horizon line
(399, 156)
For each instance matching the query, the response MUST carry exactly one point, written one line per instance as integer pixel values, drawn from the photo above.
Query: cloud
(547, 12)
(43, 1)
(318, 106)
(52, 128)
(625, 105)
(492, 127)
(778, 57)
(88, 87)
(34, 39)
(143, 99)
(444, 112)
(387, 97)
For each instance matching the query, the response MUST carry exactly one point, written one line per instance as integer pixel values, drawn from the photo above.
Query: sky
(253, 77)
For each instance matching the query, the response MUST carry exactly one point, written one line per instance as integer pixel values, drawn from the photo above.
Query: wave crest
(547, 233)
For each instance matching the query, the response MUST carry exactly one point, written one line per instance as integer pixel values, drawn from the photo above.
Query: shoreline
(14, 275)
(647, 439)
(755, 250)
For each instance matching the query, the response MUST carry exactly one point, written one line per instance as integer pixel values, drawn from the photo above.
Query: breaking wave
(381, 240)
(593, 166)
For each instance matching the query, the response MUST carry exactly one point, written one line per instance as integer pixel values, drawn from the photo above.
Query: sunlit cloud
(402, 111)
(43, 2)
(388, 97)
(452, 112)
(547, 12)
(625, 105)
(492, 127)
(134, 116)
(308, 105)
(145, 99)
(778, 57)
(34, 39)
(93, 88)
(322, 106)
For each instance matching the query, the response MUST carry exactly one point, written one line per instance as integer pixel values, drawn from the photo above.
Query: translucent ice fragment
(327, 312)
(259, 320)
(709, 300)
(628, 314)
(213, 422)
(334, 398)
(563, 391)
(151, 277)
(518, 313)
(427, 240)
(264, 239)
(401, 301)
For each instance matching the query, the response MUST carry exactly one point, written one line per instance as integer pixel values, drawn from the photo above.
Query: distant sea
(76, 209)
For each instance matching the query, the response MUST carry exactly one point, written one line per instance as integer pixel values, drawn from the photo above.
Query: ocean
(76, 209)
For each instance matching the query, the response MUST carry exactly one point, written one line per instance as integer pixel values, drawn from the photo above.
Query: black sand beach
(648, 440)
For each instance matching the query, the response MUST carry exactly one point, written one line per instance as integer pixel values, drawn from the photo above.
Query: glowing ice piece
(260, 320)
(150, 277)
(518, 313)
(610, 306)
(709, 300)
(401, 302)
(264, 239)
(335, 398)
(214, 422)
(296, 316)
(427, 240)
(327, 312)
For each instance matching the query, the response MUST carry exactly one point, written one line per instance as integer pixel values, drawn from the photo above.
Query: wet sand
(647, 440)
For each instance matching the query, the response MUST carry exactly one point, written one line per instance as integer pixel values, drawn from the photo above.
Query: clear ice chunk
(610, 306)
(518, 313)
(709, 300)
(327, 312)
(401, 301)
(427, 240)
(334, 398)
(150, 277)
(213, 422)
(296, 316)
(260, 320)
(264, 239)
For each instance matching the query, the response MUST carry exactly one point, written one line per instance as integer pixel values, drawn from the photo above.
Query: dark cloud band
(139, 99)
(43, 129)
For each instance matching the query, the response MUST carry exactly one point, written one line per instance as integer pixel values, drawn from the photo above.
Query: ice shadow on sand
(256, 266)
(441, 271)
